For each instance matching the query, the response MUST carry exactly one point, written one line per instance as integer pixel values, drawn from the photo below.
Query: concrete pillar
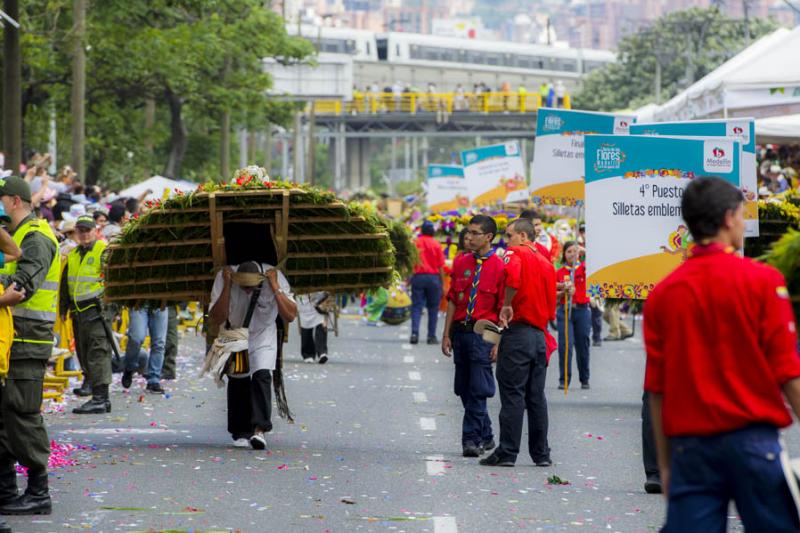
(364, 155)
(394, 153)
(285, 156)
(297, 145)
(425, 153)
(407, 154)
(415, 157)
(353, 164)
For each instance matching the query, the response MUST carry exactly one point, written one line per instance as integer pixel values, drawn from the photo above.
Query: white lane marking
(408, 359)
(420, 397)
(406, 347)
(434, 464)
(427, 424)
(414, 375)
(444, 524)
(118, 431)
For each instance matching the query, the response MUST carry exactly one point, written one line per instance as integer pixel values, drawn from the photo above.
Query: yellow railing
(412, 103)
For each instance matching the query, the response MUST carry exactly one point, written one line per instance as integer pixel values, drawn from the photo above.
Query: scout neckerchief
(474, 292)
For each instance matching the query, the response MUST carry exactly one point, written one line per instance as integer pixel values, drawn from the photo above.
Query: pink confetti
(283, 467)
(59, 456)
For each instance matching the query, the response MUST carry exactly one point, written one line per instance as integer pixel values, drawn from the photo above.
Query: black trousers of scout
(250, 404)
(313, 341)
(171, 350)
(521, 373)
(23, 436)
(649, 456)
(93, 347)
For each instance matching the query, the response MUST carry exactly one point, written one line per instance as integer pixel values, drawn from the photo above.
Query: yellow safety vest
(6, 337)
(43, 305)
(85, 276)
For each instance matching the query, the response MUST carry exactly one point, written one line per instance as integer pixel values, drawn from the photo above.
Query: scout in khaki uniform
(23, 437)
(81, 291)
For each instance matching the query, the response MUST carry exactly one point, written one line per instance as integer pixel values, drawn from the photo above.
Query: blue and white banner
(635, 233)
(495, 174)
(742, 130)
(447, 189)
(557, 170)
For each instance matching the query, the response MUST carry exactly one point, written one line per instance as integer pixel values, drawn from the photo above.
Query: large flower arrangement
(775, 217)
(166, 252)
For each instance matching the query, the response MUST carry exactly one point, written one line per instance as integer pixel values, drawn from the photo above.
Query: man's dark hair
(427, 228)
(250, 266)
(116, 213)
(530, 214)
(705, 202)
(487, 224)
(523, 225)
(132, 205)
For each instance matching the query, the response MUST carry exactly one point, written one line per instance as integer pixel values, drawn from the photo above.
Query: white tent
(778, 130)
(763, 80)
(158, 185)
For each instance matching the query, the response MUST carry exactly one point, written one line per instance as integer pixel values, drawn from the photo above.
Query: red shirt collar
(700, 250)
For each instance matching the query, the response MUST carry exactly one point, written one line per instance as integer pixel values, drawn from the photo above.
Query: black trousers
(521, 373)
(250, 404)
(648, 440)
(313, 341)
(597, 324)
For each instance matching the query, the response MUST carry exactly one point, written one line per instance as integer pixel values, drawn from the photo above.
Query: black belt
(463, 326)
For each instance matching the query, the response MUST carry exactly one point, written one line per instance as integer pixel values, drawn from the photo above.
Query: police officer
(476, 293)
(81, 291)
(23, 437)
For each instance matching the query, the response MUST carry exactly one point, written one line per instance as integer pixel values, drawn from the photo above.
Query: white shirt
(263, 340)
(308, 314)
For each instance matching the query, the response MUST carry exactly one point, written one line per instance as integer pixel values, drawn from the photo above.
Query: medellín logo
(622, 125)
(512, 148)
(552, 123)
(472, 157)
(738, 130)
(609, 157)
(716, 157)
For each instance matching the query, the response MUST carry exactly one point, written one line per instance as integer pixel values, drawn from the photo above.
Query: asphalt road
(375, 447)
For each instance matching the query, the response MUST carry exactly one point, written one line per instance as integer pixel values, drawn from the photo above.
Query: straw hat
(488, 330)
(248, 279)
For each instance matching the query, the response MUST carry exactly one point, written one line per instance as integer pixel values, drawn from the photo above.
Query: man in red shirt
(476, 293)
(721, 348)
(529, 304)
(426, 283)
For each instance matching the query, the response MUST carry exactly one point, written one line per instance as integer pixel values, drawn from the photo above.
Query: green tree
(170, 53)
(688, 45)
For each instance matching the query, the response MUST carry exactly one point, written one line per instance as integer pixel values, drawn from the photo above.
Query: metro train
(418, 58)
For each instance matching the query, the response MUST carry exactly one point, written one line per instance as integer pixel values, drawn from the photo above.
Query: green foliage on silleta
(166, 253)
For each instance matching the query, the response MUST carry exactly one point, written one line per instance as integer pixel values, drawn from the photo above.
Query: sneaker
(488, 445)
(585, 386)
(414, 339)
(257, 441)
(653, 485)
(323, 359)
(433, 340)
(544, 462)
(127, 379)
(155, 388)
(308, 360)
(495, 460)
(597, 344)
(626, 336)
(560, 386)
(612, 338)
(241, 443)
(470, 449)
(377, 324)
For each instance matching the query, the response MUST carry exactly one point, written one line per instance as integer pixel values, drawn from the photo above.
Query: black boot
(35, 500)
(8, 485)
(99, 403)
(84, 390)
(4, 527)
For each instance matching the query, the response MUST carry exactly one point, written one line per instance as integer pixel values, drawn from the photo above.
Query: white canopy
(157, 184)
(762, 80)
(778, 130)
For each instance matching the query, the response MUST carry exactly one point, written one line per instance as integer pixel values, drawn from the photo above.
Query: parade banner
(447, 189)
(557, 176)
(742, 130)
(634, 184)
(495, 174)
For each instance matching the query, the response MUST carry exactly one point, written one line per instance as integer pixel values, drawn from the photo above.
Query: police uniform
(82, 289)
(476, 291)
(23, 436)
